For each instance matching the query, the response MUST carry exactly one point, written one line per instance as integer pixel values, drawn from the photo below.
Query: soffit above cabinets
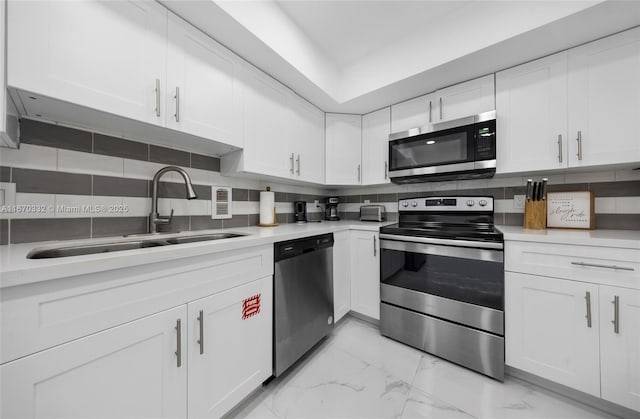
(359, 56)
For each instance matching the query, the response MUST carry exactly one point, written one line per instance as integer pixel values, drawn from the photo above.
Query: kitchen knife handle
(529, 190)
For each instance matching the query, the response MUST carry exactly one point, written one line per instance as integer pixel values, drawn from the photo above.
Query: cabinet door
(465, 99)
(531, 101)
(129, 371)
(620, 350)
(343, 145)
(106, 55)
(341, 274)
(365, 273)
(548, 331)
(234, 358)
(604, 100)
(413, 113)
(265, 122)
(376, 127)
(203, 87)
(306, 140)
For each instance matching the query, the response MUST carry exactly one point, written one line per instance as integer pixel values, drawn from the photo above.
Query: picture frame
(571, 210)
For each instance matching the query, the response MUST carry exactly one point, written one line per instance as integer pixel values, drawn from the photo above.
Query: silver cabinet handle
(587, 297)
(386, 170)
(559, 148)
(430, 111)
(158, 97)
(179, 346)
(595, 265)
(291, 163)
(358, 173)
(375, 250)
(616, 314)
(177, 98)
(579, 140)
(298, 162)
(201, 323)
(441, 109)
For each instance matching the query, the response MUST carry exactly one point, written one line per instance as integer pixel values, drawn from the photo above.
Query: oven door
(460, 284)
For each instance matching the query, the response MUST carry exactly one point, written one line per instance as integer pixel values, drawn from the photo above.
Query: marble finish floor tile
(357, 373)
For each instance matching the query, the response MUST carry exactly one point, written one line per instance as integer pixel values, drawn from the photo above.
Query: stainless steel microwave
(463, 148)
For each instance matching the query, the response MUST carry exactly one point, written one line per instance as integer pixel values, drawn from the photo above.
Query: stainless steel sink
(90, 249)
(93, 248)
(203, 237)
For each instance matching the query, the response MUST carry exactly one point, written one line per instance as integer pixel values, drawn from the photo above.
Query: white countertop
(628, 239)
(16, 269)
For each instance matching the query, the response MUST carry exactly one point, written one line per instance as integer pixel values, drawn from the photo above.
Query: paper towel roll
(267, 203)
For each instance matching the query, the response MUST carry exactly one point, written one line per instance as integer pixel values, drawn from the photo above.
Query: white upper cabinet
(343, 149)
(531, 104)
(8, 112)
(306, 140)
(266, 118)
(109, 55)
(413, 113)
(465, 99)
(376, 127)
(203, 90)
(604, 101)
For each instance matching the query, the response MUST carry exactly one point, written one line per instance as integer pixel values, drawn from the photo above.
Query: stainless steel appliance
(459, 149)
(442, 280)
(302, 297)
(331, 209)
(372, 213)
(300, 211)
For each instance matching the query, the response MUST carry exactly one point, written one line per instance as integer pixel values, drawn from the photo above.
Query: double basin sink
(117, 246)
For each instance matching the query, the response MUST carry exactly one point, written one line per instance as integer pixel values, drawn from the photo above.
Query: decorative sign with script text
(570, 210)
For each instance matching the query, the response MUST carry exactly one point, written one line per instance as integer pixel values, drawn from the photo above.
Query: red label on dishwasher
(251, 307)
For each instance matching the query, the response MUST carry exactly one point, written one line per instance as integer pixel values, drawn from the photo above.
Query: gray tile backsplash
(121, 174)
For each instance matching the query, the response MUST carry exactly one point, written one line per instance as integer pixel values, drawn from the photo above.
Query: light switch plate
(518, 201)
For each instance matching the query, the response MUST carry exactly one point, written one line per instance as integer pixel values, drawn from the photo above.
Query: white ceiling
(347, 31)
(356, 56)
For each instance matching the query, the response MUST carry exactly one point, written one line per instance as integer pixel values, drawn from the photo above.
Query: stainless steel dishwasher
(302, 297)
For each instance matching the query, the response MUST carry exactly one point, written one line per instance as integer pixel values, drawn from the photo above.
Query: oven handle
(446, 242)
(485, 255)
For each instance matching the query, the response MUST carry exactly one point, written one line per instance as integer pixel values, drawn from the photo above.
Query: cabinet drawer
(584, 263)
(45, 314)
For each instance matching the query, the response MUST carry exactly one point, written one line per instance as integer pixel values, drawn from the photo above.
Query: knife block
(535, 215)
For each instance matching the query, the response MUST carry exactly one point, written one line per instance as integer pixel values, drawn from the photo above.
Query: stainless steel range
(442, 280)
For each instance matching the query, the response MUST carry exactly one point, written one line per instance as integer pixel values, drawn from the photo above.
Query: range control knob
(414, 204)
(405, 204)
(483, 203)
(470, 203)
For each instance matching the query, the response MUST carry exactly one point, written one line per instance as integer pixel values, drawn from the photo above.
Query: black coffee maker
(300, 211)
(331, 209)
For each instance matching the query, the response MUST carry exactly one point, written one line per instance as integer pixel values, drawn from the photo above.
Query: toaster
(372, 213)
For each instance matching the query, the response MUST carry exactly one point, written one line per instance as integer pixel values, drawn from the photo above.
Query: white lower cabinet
(548, 332)
(230, 347)
(620, 346)
(341, 274)
(572, 316)
(365, 273)
(133, 370)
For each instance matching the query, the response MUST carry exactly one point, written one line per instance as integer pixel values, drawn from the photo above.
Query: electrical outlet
(518, 201)
(367, 201)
